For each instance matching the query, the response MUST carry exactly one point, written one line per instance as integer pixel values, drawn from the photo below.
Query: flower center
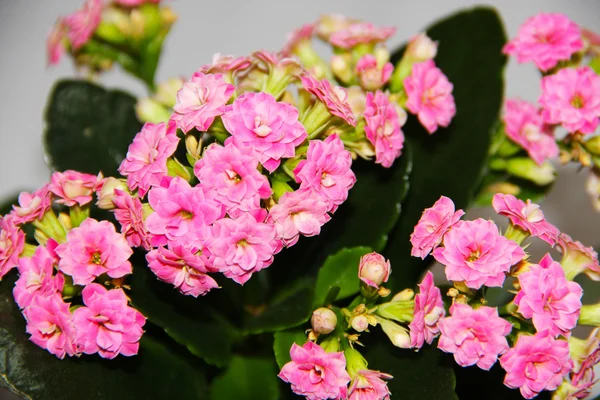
(260, 128)
(532, 133)
(232, 175)
(577, 101)
(532, 212)
(474, 256)
(96, 258)
(186, 214)
(243, 243)
(326, 180)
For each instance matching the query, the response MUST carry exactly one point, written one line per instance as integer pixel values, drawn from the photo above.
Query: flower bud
(398, 334)
(166, 92)
(581, 350)
(329, 24)
(406, 294)
(323, 320)
(526, 168)
(374, 269)
(148, 110)
(421, 48)
(592, 188)
(357, 100)
(401, 311)
(590, 315)
(359, 323)
(341, 68)
(355, 362)
(107, 193)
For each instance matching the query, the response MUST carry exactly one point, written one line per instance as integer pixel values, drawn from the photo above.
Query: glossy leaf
(283, 343)
(247, 379)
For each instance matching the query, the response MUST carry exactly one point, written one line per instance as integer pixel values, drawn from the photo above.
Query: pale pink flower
(82, 24)
(50, 325)
(548, 298)
(93, 249)
(374, 269)
(134, 3)
(105, 192)
(527, 216)
(360, 33)
(12, 242)
(525, 126)
(369, 385)
(146, 161)
(474, 336)
(334, 97)
(130, 214)
(107, 325)
(585, 355)
(316, 374)
(298, 37)
(571, 97)
(536, 363)
(545, 39)
(229, 174)
(429, 308)
(72, 187)
(430, 96)
(371, 75)
(32, 206)
(578, 258)
(222, 64)
(328, 24)
(201, 100)
(476, 253)
(327, 171)
(433, 225)
(299, 212)
(421, 48)
(55, 42)
(36, 277)
(383, 128)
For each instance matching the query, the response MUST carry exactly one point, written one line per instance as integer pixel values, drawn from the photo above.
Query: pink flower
(552, 302)
(129, 212)
(430, 96)
(299, 212)
(527, 216)
(32, 206)
(429, 308)
(72, 187)
(201, 100)
(421, 48)
(334, 97)
(50, 325)
(55, 42)
(383, 128)
(298, 37)
(327, 171)
(82, 24)
(242, 246)
(93, 249)
(474, 336)
(183, 214)
(545, 39)
(107, 325)
(433, 225)
(360, 33)
(571, 97)
(230, 175)
(578, 258)
(374, 269)
(476, 253)
(36, 277)
(12, 242)
(536, 363)
(184, 268)
(146, 161)
(222, 64)
(369, 385)
(315, 374)
(271, 128)
(134, 3)
(524, 125)
(371, 75)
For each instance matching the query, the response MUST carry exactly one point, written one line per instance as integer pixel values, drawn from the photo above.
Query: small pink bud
(323, 320)
(422, 48)
(374, 269)
(359, 323)
(107, 193)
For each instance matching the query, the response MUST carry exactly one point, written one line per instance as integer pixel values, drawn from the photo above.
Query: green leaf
(450, 161)
(88, 128)
(283, 343)
(501, 182)
(247, 379)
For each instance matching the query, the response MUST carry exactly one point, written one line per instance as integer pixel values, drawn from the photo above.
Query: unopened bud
(359, 323)
(107, 193)
(166, 92)
(374, 269)
(406, 294)
(357, 100)
(398, 334)
(148, 110)
(526, 168)
(421, 48)
(323, 320)
(341, 68)
(192, 146)
(383, 292)
(590, 315)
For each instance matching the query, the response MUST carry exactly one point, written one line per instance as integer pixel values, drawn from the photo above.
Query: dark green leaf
(247, 379)
(283, 343)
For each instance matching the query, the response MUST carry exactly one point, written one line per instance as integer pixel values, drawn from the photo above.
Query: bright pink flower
(50, 325)
(32, 206)
(360, 33)
(36, 277)
(527, 216)
(536, 363)
(82, 24)
(183, 214)
(578, 258)
(327, 171)
(571, 97)
(369, 385)
(316, 374)
(374, 269)
(545, 39)
(72, 187)
(371, 75)
(433, 225)
(271, 128)
(430, 96)
(93, 249)
(548, 298)
(524, 125)
(474, 336)
(201, 100)
(146, 161)
(107, 325)
(302, 35)
(334, 97)
(476, 253)
(299, 212)
(383, 128)
(12, 242)
(134, 3)
(229, 174)
(55, 43)
(429, 308)
(130, 214)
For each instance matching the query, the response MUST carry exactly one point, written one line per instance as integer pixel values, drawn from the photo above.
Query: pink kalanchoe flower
(369, 385)
(548, 298)
(571, 97)
(134, 3)
(371, 75)
(299, 212)
(429, 308)
(525, 126)
(183, 214)
(130, 214)
(545, 39)
(433, 225)
(430, 96)
(226, 65)
(334, 97)
(36, 277)
(93, 249)
(527, 216)
(360, 33)
(242, 246)
(12, 242)
(383, 128)
(55, 42)
(298, 37)
(316, 374)
(146, 161)
(536, 363)
(374, 269)
(72, 187)
(201, 100)
(50, 325)
(229, 174)
(578, 258)
(82, 23)
(474, 336)
(476, 253)
(107, 325)
(327, 171)
(32, 206)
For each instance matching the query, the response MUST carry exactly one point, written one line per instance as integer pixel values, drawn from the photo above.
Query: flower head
(374, 269)
(222, 64)
(421, 48)
(429, 308)
(12, 242)
(55, 42)
(32, 206)
(360, 33)
(298, 37)
(383, 128)
(36, 277)
(72, 187)
(82, 23)
(129, 212)
(578, 258)
(369, 385)
(373, 76)
(334, 97)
